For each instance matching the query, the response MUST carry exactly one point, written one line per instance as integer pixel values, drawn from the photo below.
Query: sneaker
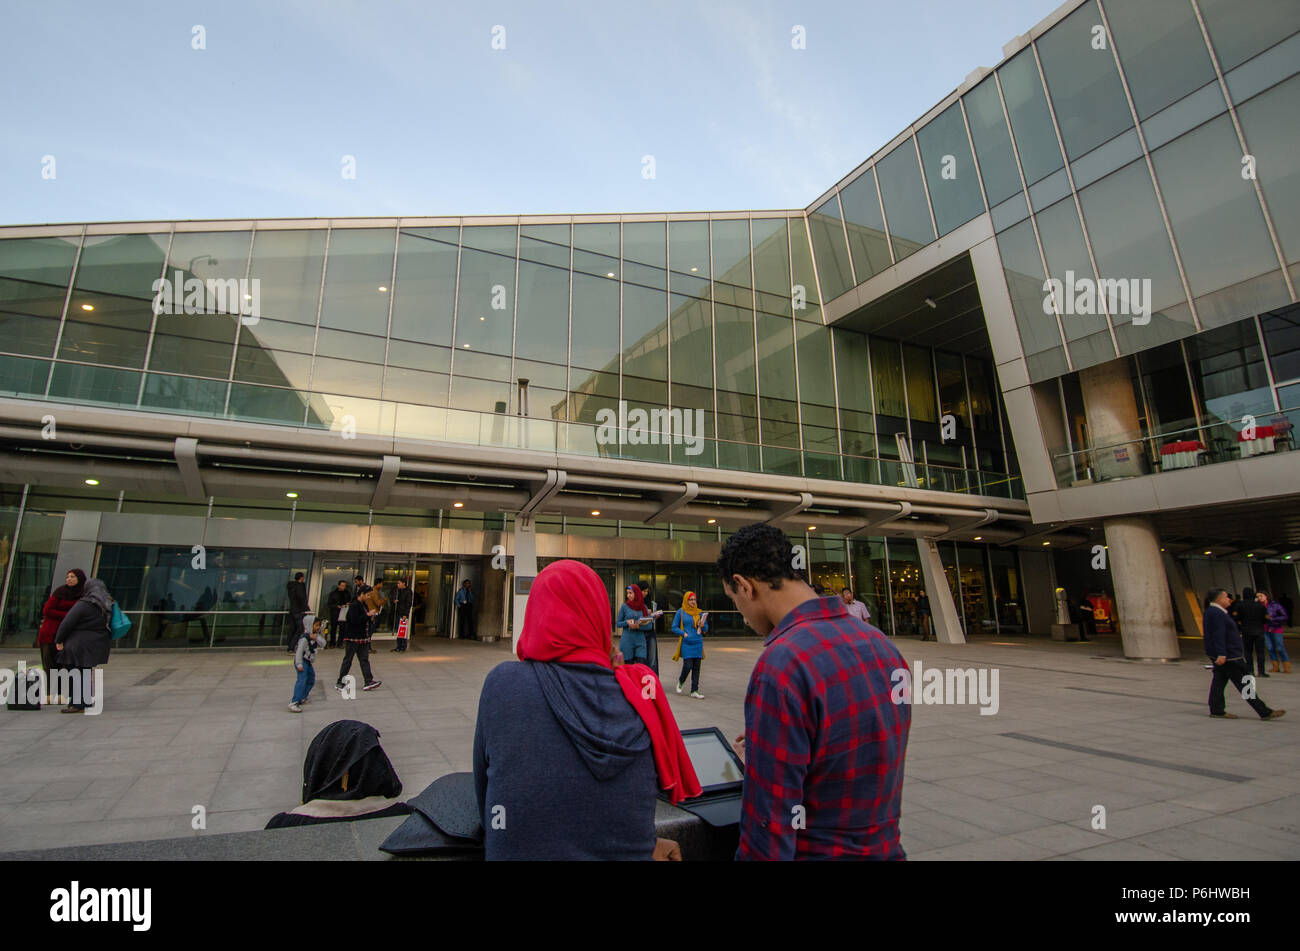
(1275, 715)
(295, 708)
(697, 695)
(679, 688)
(1229, 716)
(304, 700)
(372, 685)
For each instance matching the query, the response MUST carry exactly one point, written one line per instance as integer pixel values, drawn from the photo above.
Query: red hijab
(568, 620)
(638, 599)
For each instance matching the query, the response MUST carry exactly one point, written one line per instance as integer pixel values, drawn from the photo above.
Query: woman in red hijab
(570, 751)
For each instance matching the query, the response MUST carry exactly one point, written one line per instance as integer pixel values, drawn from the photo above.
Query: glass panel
(645, 332)
(95, 384)
(643, 242)
(287, 265)
(357, 279)
(866, 225)
(1238, 35)
(599, 238)
(201, 344)
(988, 128)
(111, 308)
(1030, 120)
(415, 386)
(1273, 136)
(906, 586)
(920, 384)
(485, 305)
(542, 330)
(772, 265)
(779, 406)
(34, 275)
(594, 337)
(887, 378)
(1213, 210)
(1282, 334)
(689, 247)
(731, 252)
(828, 245)
(264, 403)
(857, 424)
(1067, 260)
(903, 193)
(1086, 91)
(1035, 318)
(1227, 367)
(1164, 56)
(949, 170)
(180, 394)
(801, 269)
(424, 295)
(1130, 243)
(870, 580)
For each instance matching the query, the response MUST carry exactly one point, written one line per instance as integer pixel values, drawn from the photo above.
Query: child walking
(304, 658)
(690, 626)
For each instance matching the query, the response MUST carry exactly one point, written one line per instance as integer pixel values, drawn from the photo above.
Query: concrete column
(77, 545)
(944, 616)
(1111, 410)
(525, 549)
(1186, 601)
(1146, 619)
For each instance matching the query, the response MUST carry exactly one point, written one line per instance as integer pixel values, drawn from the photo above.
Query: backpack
(118, 623)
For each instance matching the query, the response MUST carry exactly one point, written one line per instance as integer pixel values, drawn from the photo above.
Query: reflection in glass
(1160, 45)
(832, 254)
(903, 194)
(1030, 120)
(111, 307)
(34, 275)
(988, 129)
(868, 242)
(424, 295)
(949, 170)
(1086, 91)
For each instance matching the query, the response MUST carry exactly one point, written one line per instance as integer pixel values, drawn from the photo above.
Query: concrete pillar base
(944, 619)
(1065, 632)
(1146, 617)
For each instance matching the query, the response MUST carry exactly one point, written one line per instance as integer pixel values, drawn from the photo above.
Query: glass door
(388, 569)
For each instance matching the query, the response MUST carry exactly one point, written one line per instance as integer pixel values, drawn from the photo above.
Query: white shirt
(858, 609)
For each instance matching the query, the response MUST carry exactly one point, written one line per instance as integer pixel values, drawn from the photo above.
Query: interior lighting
(458, 505)
(978, 538)
(382, 289)
(595, 511)
(291, 495)
(712, 521)
(87, 306)
(92, 482)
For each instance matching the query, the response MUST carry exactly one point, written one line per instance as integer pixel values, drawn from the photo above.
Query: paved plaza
(1077, 727)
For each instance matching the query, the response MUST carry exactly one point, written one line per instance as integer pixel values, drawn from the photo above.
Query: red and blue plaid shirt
(824, 742)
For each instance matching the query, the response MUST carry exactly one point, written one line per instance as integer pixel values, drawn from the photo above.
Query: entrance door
(435, 583)
(471, 570)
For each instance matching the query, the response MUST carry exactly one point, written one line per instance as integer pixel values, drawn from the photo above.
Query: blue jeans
(691, 665)
(1276, 647)
(306, 680)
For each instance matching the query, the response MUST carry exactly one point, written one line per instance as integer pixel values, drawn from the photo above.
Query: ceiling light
(291, 495)
(482, 318)
(931, 304)
(1046, 543)
(595, 511)
(458, 505)
(812, 528)
(609, 274)
(1250, 556)
(1287, 558)
(465, 345)
(87, 306)
(694, 269)
(979, 538)
(92, 482)
(382, 289)
(1205, 553)
(712, 521)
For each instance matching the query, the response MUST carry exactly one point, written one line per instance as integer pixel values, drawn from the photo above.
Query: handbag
(119, 624)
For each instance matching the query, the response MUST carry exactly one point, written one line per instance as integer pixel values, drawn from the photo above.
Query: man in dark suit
(1223, 646)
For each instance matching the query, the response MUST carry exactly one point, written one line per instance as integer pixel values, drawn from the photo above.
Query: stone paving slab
(1078, 726)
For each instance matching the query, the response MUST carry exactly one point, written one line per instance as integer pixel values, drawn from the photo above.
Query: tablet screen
(715, 765)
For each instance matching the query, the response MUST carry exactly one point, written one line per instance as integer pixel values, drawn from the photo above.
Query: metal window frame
(63, 320)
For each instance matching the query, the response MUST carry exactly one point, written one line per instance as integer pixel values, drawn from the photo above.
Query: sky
(111, 113)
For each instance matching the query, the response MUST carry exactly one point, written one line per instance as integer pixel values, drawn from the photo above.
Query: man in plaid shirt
(823, 743)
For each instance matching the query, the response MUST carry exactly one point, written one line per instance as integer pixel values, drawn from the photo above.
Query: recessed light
(465, 345)
(1206, 553)
(87, 306)
(694, 269)
(382, 289)
(931, 304)
(595, 511)
(812, 528)
(291, 495)
(458, 505)
(712, 521)
(482, 318)
(1250, 555)
(92, 482)
(979, 538)
(1045, 544)
(609, 274)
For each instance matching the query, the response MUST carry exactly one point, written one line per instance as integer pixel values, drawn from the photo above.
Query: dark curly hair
(758, 551)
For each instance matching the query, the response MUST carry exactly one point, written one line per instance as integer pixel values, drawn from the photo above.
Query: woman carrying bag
(83, 639)
(690, 626)
(57, 606)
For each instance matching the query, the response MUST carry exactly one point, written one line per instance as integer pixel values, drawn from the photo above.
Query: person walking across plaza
(690, 625)
(356, 643)
(651, 632)
(402, 600)
(1251, 616)
(57, 605)
(304, 661)
(824, 744)
(464, 602)
(633, 619)
(1277, 617)
(297, 592)
(1223, 646)
(336, 609)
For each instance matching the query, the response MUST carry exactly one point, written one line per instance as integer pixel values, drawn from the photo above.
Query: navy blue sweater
(560, 748)
(1222, 639)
